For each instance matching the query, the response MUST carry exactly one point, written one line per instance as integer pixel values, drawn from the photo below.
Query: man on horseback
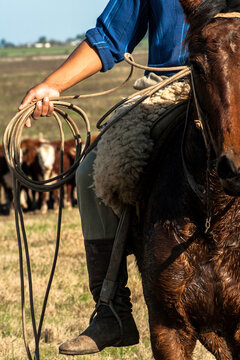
(119, 29)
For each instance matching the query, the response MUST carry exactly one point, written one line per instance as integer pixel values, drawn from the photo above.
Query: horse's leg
(169, 343)
(234, 343)
(235, 353)
(216, 345)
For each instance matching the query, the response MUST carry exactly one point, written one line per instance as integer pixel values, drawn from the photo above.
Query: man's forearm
(81, 64)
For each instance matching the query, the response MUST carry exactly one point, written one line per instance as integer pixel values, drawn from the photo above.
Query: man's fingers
(50, 109)
(26, 100)
(45, 106)
(38, 110)
(28, 123)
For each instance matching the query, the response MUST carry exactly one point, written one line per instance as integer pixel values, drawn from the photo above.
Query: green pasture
(30, 52)
(19, 52)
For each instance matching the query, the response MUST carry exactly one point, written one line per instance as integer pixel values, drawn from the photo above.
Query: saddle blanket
(125, 148)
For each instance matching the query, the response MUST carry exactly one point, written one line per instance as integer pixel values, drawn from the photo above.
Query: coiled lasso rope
(11, 147)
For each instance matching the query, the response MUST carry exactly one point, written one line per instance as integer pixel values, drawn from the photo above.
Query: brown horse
(191, 267)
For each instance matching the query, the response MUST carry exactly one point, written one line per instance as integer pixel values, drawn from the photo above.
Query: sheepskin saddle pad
(125, 148)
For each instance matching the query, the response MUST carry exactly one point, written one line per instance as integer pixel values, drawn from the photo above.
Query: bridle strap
(206, 132)
(199, 190)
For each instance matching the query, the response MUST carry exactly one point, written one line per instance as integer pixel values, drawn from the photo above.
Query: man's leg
(99, 225)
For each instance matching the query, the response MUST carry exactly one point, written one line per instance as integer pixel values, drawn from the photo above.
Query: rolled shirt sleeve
(120, 27)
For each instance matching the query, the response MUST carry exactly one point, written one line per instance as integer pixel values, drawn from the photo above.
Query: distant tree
(10, 45)
(3, 43)
(55, 42)
(42, 39)
(68, 40)
(6, 44)
(80, 36)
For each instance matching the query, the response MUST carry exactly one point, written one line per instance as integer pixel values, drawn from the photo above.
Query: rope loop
(12, 144)
(130, 60)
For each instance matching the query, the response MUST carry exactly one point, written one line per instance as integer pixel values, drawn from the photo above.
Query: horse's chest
(213, 292)
(196, 279)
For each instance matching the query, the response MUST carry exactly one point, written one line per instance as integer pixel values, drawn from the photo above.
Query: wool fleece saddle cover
(124, 150)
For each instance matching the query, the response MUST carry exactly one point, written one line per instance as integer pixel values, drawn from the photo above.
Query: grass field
(24, 52)
(70, 303)
(30, 52)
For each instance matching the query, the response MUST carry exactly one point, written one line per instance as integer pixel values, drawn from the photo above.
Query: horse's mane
(206, 11)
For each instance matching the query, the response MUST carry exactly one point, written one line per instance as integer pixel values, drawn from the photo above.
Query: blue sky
(24, 21)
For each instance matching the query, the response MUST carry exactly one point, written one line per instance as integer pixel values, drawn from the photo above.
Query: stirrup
(111, 307)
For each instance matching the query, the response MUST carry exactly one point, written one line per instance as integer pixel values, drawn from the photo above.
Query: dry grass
(70, 303)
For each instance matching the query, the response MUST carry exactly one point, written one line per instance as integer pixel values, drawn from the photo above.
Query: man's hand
(41, 94)
(82, 63)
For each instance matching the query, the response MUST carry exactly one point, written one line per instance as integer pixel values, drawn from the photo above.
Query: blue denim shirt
(123, 24)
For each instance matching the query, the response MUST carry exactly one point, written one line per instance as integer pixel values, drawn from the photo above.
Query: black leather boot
(112, 325)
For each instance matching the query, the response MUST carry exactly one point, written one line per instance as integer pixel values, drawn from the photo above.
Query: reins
(202, 193)
(11, 147)
(199, 190)
(209, 142)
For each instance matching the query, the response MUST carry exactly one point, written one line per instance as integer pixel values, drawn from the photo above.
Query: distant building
(75, 42)
(42, 45)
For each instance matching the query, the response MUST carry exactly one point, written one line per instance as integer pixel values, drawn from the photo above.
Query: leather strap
(110, 283)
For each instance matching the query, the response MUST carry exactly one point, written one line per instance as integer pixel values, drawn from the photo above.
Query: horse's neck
(224, 209)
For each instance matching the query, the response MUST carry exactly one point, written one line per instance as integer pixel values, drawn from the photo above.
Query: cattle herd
(40, 160)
